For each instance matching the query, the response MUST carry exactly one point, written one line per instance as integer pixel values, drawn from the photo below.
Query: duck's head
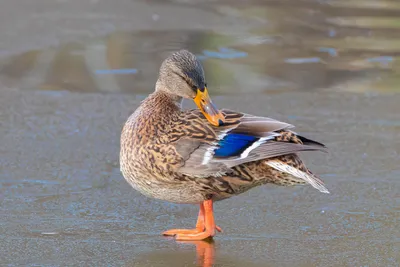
(182, 75)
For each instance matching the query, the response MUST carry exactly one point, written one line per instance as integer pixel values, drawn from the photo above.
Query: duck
(204, 155)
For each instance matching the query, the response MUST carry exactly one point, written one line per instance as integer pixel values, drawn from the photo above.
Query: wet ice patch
(384, 61)
(223, 53)
(303, 60)
(331, 51)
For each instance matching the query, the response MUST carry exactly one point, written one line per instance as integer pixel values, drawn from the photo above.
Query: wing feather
(243, 138)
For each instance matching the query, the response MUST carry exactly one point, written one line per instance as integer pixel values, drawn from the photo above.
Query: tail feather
(310, 142)
(307, 177)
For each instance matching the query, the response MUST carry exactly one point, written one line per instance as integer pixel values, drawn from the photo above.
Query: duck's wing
(213, 151)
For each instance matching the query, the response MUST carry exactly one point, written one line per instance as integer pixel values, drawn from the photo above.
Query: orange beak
(206, 106)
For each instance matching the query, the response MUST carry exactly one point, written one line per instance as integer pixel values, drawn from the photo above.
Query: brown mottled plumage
(171, 154)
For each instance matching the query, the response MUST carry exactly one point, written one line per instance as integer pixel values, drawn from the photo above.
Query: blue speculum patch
(234, 144)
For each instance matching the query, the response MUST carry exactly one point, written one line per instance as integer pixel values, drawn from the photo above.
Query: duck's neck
(160, 90)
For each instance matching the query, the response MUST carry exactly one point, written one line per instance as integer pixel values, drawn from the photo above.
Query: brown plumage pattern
(173, 155)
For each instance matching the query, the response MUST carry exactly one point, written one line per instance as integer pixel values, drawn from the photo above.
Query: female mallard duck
(205, 155)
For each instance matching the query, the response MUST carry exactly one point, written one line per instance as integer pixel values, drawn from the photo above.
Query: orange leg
(209, 225)
(205, 214)
(199, 225)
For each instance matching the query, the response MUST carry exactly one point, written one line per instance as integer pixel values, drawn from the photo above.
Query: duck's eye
(194, 88)
(205, 84)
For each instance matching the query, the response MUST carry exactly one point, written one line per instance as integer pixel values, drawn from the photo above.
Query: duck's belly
(186, 192)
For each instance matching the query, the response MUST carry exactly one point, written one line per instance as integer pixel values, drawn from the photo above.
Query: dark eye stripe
(182, 77)
(187, 80)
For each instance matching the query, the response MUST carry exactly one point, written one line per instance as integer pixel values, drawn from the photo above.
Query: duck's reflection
(205, 252)
(168, 252)
(178, 254)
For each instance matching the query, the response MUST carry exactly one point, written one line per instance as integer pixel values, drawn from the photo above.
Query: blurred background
(72, 71)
